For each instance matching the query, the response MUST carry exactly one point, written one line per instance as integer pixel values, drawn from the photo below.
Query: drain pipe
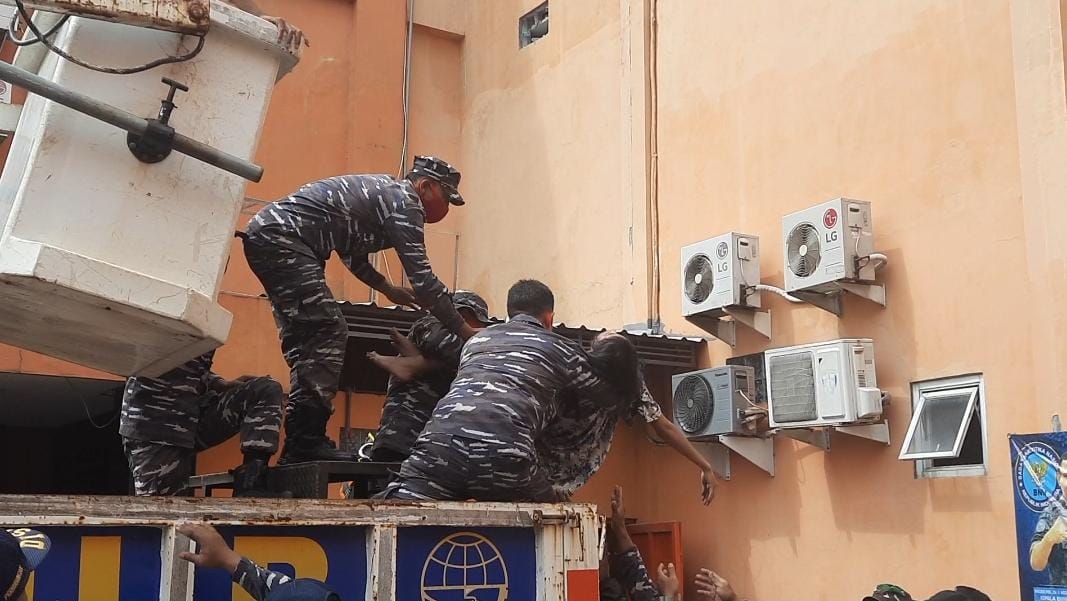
(655, 323)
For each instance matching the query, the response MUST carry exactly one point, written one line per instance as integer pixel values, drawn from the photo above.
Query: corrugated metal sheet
(369, 325)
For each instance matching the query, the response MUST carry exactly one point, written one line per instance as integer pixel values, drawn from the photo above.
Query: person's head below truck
(262, 584)
(21, 551)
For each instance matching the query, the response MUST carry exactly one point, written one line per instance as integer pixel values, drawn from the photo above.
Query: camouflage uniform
(628, 577)
(1057, 558)
(257, 581)
(480, 440)
(165, 421)
(574, 444)
(408, 405)
(287, 244)
(263, 584)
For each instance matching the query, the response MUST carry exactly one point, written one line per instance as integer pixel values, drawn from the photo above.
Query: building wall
(762, 109)
(340, 111)
(948, 117)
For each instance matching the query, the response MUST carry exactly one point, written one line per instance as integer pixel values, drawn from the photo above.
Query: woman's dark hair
(615, 360)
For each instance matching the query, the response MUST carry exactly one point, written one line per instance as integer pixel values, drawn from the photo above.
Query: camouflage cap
(464, 299)
(888, 592)
(441, 172)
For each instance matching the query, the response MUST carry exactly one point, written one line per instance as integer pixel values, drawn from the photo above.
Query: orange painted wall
(948, 117)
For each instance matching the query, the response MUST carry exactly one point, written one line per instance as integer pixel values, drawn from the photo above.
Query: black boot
(306, 440)
(300, 450)
(250, 480)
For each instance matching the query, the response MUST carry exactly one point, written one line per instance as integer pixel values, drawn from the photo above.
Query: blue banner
(97, 563)
(457, 564)
(336, 555)
(1039, 464)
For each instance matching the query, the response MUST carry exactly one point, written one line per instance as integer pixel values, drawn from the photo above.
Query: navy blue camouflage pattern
(480, 440)
(165, 421)
(287, 244)
(408, 405)
(576, 441)
(629, 569)
(257, 581)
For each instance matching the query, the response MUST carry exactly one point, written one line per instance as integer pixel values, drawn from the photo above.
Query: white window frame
(925, 468)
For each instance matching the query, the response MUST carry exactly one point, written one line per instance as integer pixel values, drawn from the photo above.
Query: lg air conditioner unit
(826, 384)
(828, 244)
(717, 274)
(711, 402)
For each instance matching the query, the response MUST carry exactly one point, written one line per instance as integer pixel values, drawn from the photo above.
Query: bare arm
(666, 430)
(292, 37)
(1043, 544)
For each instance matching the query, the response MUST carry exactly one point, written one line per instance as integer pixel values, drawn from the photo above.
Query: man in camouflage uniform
(166, 421)
(287, 244)
(409, 403)
(623, 575)
(260, 583)
(479, 442)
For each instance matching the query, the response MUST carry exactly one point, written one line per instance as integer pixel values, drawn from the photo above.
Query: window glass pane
(971, 452)
(941, 419)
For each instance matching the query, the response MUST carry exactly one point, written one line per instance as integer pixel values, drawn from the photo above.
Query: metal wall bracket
(718, 455)
(816, 437)
(826, 302)
(753, 318)
(726, 329)
(877, 432)
(756, 450)
(872, 292)
(833, 302)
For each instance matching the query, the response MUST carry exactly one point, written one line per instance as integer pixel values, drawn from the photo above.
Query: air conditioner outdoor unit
(711, 402)
(716, 273)
(827, 244)
(826, 384)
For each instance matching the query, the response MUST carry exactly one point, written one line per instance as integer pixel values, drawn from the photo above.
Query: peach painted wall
(948, 117)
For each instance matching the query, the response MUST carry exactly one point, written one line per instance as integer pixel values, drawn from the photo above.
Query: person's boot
(300, 450)
(250, 480)
(306, 440)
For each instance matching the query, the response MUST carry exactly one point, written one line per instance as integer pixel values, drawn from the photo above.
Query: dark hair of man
(530, 297)
(615, 360)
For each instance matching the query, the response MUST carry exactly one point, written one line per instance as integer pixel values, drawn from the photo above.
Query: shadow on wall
(855, 466)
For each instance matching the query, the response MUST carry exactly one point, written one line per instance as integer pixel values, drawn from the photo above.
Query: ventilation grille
(699, 279)
(693, 404)
(803, 250)
(792, 379)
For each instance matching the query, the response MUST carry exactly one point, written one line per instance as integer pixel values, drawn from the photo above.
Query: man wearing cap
(21, 551)
(262, 584)
(410, 402)
(287, 244)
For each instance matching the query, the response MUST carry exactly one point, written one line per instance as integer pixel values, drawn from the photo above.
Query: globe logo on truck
(464, 566)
